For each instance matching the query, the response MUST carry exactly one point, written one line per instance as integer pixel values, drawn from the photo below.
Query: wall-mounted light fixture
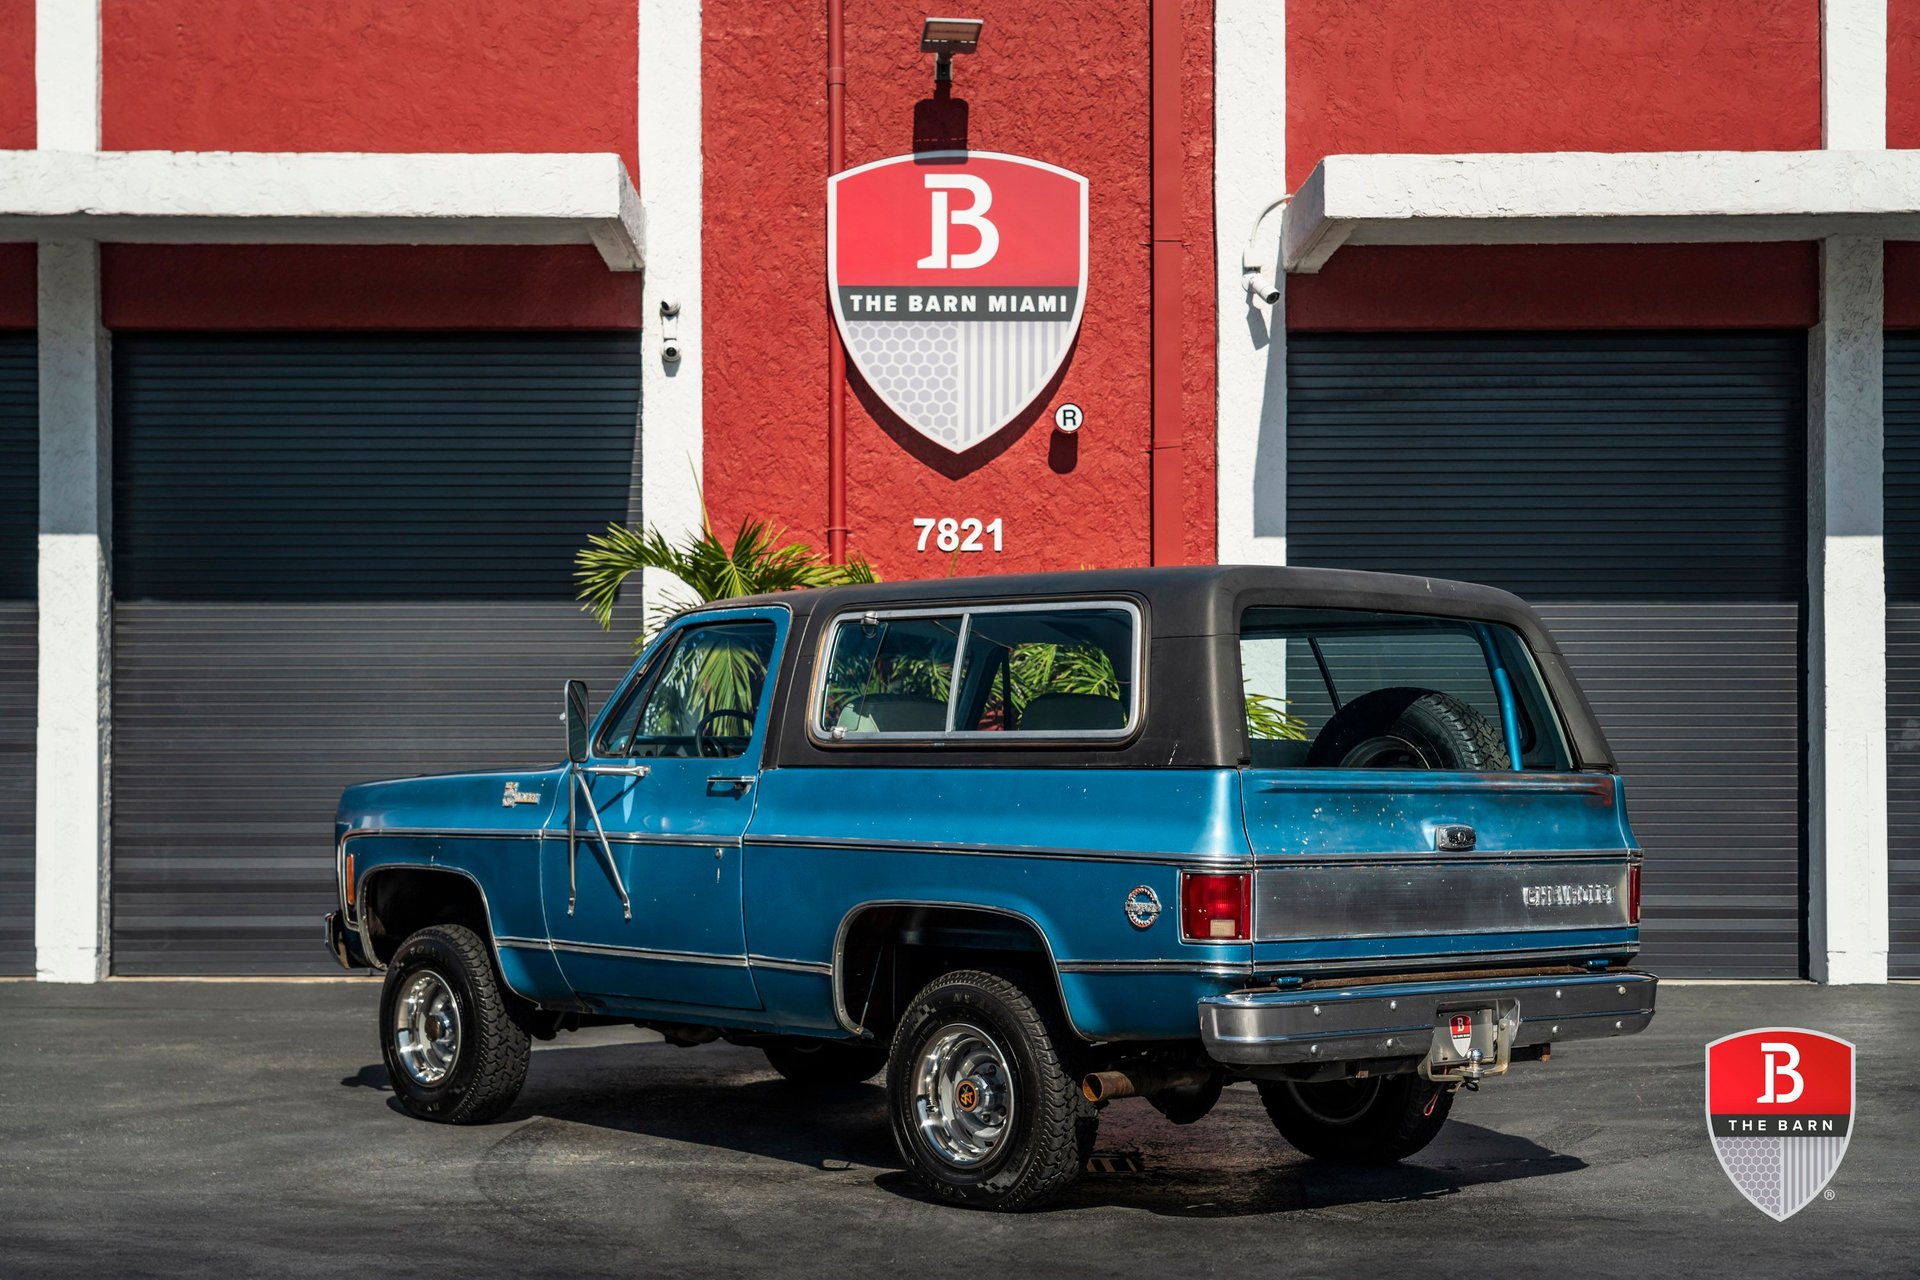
(944, 37)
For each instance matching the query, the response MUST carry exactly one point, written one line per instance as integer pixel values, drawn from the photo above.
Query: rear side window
(1332, 688)
(1007, 673)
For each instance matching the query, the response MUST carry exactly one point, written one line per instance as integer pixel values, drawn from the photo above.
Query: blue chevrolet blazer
(1032, 845)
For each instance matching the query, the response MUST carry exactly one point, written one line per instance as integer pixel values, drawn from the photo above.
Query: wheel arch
(414, 882)
(879, 917)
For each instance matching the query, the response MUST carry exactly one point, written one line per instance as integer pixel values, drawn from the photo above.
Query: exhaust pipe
(1105, 1086)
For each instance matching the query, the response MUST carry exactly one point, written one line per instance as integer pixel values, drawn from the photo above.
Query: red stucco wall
(1903, 284)
(1594, 286)
(370, 75)
(146, 286)
(19, 292)
(1439, 76)
(16, 75)
(1903, 73)
(1055, 80)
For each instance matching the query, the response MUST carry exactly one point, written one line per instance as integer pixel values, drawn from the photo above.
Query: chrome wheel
(1336, 1102)
(963, 1095)
(426, 1029)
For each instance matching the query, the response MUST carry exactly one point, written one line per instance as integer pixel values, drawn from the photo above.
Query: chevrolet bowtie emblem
(513, 795)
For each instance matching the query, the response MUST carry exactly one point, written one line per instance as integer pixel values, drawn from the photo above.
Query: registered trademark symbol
(1068, 418)
(1829, 1193)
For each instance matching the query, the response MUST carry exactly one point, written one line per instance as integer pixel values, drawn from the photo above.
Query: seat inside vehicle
(1073, 711)
(893, 713)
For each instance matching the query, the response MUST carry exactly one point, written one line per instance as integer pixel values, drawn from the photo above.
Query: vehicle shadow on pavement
(675, 1096)
(1467, 1155)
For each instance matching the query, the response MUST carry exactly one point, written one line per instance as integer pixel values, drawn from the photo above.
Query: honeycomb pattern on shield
(1754, 1166)
(916, 367)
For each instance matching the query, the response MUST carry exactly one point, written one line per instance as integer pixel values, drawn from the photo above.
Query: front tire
(985, 1106)
(825, 1064)
(454, 1053)
(1381, 1120)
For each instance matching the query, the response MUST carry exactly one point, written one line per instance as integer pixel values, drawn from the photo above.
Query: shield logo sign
(957, 280)
(1780, 1109)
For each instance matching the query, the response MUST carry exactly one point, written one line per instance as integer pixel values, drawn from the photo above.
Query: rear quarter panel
(1061, 848)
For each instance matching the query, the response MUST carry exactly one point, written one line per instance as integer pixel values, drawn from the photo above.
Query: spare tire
(1409, 729)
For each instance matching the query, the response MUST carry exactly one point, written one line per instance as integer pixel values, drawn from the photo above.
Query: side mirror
(576, 718)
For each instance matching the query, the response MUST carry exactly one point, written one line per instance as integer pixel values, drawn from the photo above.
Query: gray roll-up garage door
(1903, 651)
(19, 642)
(337, 557)
(1645, 491)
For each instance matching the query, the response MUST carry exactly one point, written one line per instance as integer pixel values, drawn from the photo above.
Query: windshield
(1335, 688)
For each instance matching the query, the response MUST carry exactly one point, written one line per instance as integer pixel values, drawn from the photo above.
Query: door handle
(739, 782)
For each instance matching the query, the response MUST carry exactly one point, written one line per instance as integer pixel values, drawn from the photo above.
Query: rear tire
(1409, 728)
(825, 1064)
(453, 1051)
(985, 1105)
(1376, 1121)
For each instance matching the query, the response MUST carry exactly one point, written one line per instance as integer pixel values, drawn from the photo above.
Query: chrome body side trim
(821, 968)
(649, 953)
(1393, 1020)
(542, 833)
(857, 845)
(1154, 966)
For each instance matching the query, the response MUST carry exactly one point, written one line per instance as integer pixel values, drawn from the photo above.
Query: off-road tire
(491, 1064)
(825, 1064)
(1403, 1115)
(1440, 730)
(1053, 1126)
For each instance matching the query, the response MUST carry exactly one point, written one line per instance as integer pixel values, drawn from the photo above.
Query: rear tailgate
(1350, 874)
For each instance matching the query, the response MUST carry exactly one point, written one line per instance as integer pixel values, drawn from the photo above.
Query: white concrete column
(74, 743)
(1847, 621)
(1250, 173)
(671, 432)
(66, 72)
(1853, 75)
(1847, 814)
(72, 749)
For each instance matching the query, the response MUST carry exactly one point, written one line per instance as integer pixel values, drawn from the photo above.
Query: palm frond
(759, 560)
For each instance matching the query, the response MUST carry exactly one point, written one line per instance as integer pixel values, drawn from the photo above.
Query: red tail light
(1633, 894)
(1215, 908)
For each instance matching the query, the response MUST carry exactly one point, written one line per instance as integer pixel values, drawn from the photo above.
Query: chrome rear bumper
(1397, 1019)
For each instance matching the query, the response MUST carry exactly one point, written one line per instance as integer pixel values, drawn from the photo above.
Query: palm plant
(725, 673)
(757, 562)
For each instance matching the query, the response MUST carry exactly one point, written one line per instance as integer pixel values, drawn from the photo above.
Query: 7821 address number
(946, 533)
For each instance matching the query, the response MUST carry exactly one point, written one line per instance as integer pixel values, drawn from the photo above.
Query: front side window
(1338, 688)
(704, 699)
(1024, 671)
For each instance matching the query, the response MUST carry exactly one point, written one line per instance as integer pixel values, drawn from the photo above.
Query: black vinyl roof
(1195, 717)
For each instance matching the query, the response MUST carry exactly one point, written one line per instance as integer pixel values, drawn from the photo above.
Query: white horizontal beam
(1580, 197)
(233, 197)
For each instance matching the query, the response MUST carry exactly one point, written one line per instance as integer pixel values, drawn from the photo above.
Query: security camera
(670, 352)
(669, 306)
(1266, 293)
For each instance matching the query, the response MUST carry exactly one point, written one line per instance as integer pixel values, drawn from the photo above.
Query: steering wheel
(709, 744)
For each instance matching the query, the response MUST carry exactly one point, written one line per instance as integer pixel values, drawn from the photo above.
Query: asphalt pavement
(226, 1128)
